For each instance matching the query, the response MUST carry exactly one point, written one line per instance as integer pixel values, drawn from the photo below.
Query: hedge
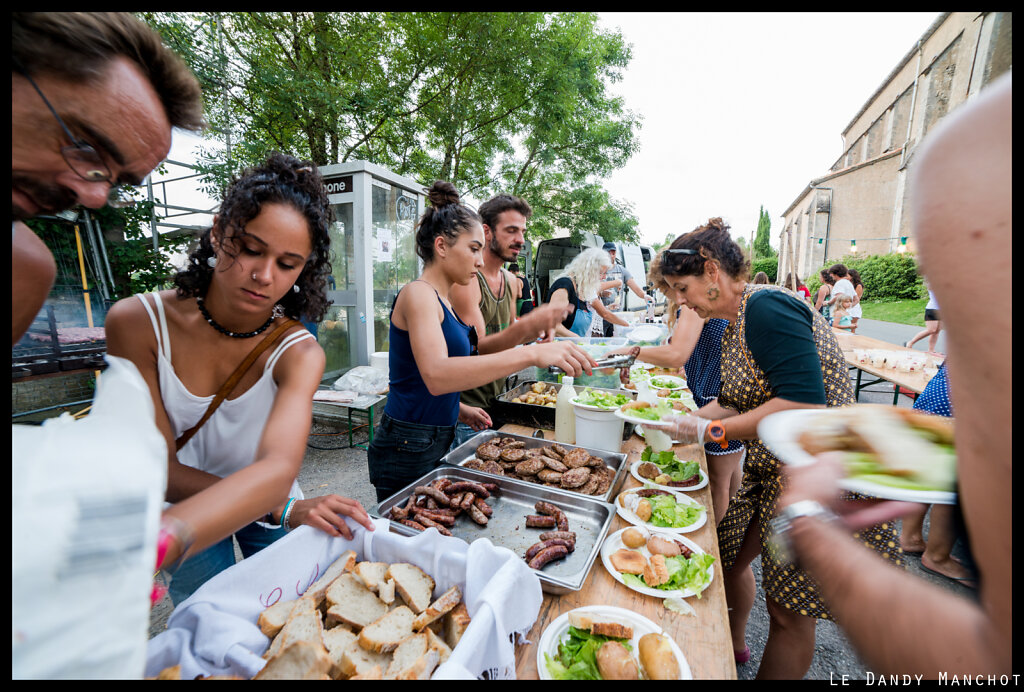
(768, 265)
(885, 277)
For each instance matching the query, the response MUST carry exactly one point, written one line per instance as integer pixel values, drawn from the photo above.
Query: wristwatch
(716, 431)
(780, 526)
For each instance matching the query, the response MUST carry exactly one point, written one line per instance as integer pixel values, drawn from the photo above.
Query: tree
(493, 102)
(762, 246)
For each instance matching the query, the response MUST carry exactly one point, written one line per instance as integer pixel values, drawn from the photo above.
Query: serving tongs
(621, 360)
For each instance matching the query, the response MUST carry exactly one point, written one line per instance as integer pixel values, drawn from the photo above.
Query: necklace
(222, 330)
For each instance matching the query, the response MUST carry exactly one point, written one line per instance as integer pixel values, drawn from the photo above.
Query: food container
(647, 335)
(598, 427)
(467, 450)
(589, 518)
(606, 378)
(536, 416)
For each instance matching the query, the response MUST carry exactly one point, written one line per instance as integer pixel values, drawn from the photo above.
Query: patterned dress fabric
(745, 387)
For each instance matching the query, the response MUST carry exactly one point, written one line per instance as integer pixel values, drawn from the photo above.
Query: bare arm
(674, 354)
(32, 271)
(606, 314)
(635, 287)
(537, 323)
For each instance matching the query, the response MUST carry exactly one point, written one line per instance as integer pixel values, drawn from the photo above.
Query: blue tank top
(409, 400)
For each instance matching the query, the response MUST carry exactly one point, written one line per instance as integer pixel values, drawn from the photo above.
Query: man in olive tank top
(489, 305)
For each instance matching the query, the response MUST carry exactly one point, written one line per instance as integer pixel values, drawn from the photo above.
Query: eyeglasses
(681, 251)
(80, 156)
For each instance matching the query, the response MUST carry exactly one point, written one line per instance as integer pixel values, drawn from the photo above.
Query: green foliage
(887, 277)
(762, 246)
(491, 101)
(768, 265)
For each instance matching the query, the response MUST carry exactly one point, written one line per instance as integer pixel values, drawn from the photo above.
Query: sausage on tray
(567, 535)
(483, 506)
(545, 556)
(539, 521)
(414, 524)
(537, 547)
(467, 501)
(446, 519)
(433, 493)
(477, 515)
(430, 523)
(470, 486)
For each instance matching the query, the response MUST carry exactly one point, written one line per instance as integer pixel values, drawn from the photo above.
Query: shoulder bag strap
(236, 376)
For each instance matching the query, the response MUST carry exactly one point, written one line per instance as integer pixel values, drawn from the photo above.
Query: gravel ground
(331, 467)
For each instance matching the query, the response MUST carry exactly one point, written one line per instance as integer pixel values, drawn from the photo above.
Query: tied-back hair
(585, 272)
(445, 216)
(712, 242)
(281, 179)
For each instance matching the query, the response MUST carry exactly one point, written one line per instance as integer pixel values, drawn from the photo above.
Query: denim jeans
(462, 433)
(402, 452)
(202, 567)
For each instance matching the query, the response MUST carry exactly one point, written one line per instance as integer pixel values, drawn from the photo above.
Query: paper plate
(633, 519)
(559, 629)
(683, 489)
(614, 542)
(674, 382)
(780, 431)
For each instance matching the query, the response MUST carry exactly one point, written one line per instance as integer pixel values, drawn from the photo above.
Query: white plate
(633, 519)
(559, 629)
(614, 542)
(639, 430)
(642, 421)
(779, 432)
(675, 382)
(591, 407)
(701, 484)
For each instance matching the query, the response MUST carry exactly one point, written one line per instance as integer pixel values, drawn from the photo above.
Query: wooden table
(911, 381)
(704, 638)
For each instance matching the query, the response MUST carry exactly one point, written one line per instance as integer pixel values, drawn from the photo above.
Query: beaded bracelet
(285, 514)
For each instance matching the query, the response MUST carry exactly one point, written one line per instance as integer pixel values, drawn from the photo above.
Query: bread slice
(612, 629)
(373, 673)
(352, 603)
(455, 624)
(387, 633)
(438, 645)
(336, 640)
(386, 591)
(357, 661)
(582, 621)
(414, 659)
(448, 600)
(371, 574)
(273, 618)
(300, 660)
(415, 586)
(318, 589)
(303, 624)
(656, 571)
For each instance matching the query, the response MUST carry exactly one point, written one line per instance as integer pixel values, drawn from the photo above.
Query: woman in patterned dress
(778, 353)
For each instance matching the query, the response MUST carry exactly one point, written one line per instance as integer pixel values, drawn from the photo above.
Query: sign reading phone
(336, 186)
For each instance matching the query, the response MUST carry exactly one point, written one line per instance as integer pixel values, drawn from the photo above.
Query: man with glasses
(93, 101)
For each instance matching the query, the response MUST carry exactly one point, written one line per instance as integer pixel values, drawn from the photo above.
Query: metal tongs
(621, 360)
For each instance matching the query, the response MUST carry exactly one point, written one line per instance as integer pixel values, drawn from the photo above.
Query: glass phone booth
(373, 255)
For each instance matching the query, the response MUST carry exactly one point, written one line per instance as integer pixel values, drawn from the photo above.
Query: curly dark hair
(711, 242)
(495, 206)
(446, 216)
(281, 179)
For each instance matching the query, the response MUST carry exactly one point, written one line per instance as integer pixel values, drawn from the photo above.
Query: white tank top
(228, 441)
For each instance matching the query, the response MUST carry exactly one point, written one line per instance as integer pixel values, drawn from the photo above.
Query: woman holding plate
(778, 353)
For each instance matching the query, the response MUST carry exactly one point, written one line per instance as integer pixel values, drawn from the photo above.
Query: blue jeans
(403, 452)
(462, 433)
(202, 567)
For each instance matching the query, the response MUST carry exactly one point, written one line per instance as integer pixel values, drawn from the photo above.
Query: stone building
(861, 204)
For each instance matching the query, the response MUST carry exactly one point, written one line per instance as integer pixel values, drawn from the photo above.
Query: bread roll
(657, 658)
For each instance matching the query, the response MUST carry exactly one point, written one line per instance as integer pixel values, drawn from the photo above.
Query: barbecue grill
(46, 348)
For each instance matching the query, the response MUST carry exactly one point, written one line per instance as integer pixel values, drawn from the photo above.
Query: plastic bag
(85, 506)
(363, 379)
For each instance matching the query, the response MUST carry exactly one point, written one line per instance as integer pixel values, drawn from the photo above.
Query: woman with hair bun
(778, 354)
(261, 267)
(432, 357)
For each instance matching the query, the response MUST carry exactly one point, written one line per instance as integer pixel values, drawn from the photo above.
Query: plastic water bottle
(565, 414)
(650, 310)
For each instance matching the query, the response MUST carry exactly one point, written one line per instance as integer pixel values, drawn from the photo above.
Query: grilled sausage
(467, 502)
(685, 550)
(536, 521)
(651, 492)
(562, 522)
(692, 480)
(470, 486)
(414, 524)
(543, 507)
(441, 483)
(567, 535)
(537, 547)
(477, 515)
(555, 552)
(446, 519)
(430, 523)
(433, 493)
(490, 487)
(483, 506)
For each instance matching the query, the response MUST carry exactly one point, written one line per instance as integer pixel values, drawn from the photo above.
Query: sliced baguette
(438, 645)
(387, 633)
(455, 624)
(303, 624)
(352, 603)
(371, 574)
(415, 586)
(273, 618)
(386, 591)
(357, 661)
(414, 659)
(448, 600)
(318, 589)
(300, 660)
(336, 640)
(372, 673)
(612, 629)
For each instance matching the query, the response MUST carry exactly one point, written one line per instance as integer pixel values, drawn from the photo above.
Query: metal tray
(589, 518)
(536, 416)
(467, 451)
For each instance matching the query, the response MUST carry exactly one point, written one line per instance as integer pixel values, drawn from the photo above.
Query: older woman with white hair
(579, 286)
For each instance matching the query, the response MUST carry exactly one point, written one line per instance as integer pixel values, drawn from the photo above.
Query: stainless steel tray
(537, 416)
(589, 518)
(467, 450)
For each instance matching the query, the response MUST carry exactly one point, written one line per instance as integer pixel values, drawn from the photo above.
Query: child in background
(841, 318)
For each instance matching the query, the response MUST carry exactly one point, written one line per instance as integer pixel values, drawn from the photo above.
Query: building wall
(954, 59)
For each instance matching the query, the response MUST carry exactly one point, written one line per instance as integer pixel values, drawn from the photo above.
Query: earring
(211, 261)
(277, 312)
(715, 295)
(295, 288)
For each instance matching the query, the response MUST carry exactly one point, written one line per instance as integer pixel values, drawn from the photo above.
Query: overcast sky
(739, 109)
(744, 109)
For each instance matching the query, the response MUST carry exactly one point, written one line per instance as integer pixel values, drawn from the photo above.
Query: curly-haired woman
(262, 264)
(579, 286)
